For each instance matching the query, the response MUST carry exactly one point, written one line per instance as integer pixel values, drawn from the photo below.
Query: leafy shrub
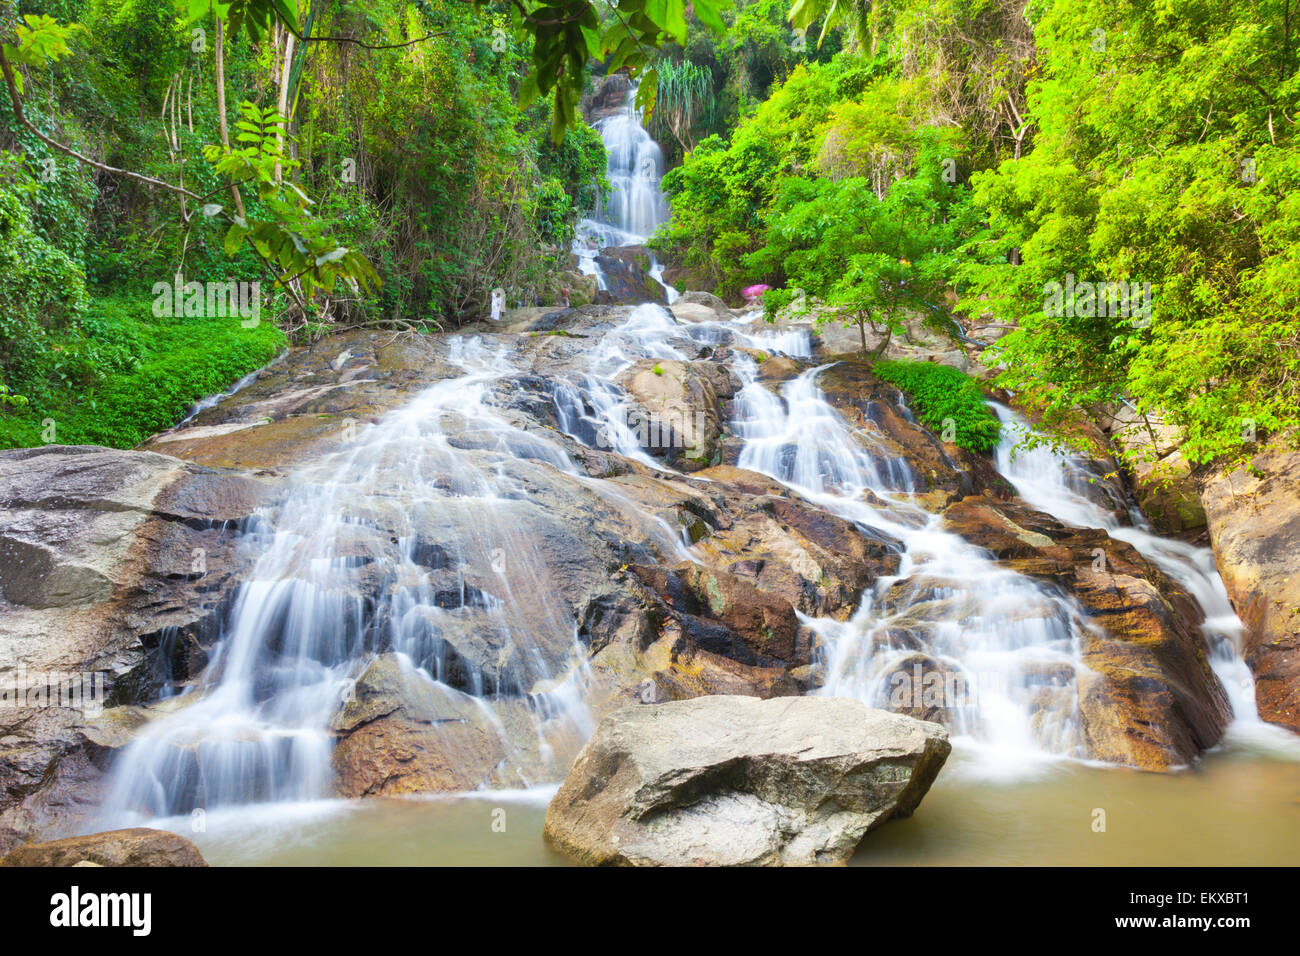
(941, 392)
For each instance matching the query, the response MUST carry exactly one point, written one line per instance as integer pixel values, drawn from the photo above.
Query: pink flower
(754, 291)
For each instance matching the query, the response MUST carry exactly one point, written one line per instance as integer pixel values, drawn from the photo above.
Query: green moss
(945, 397)
(148, 372)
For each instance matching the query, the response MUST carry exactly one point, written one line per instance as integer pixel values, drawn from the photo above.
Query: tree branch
(16, 101)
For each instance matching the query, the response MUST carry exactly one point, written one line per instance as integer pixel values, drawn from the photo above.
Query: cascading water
(1066, 487)
(409, 538)
(1007, 644)
(398, 542)
(635, 206)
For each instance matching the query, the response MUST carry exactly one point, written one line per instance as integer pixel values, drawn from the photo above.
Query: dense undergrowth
(135, 374)
(947, 400)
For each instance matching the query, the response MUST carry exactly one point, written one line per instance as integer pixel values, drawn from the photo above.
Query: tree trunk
(283, 103)
(222, 121)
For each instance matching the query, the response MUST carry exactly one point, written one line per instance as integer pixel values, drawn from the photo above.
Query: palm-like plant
(685, 97)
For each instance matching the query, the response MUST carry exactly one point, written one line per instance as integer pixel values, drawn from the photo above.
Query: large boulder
(684, 405)
(721, 311)
(627, 276)
(606, 97)
(737, 781)
(1254, 521)
(138, 846)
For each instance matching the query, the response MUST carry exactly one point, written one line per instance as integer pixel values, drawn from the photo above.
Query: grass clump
(137, 374)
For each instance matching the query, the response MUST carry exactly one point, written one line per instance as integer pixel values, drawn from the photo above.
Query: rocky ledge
(138, 846)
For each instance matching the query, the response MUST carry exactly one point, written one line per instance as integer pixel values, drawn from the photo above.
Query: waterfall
(635, 206)
(1008, 645)
(413, 532)
(395, 541)
(1066, 487)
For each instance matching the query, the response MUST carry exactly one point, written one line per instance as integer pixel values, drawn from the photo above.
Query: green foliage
(146, 373)
(578, 162)
(1164, 154)
(41, 40)
(945, 398)
(42, 294)
(722, 193)
(685, 98)
(291, 240)
(1110, 142)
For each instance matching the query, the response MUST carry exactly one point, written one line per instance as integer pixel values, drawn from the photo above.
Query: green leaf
(334, 255)
(709, 14)
(234, 238)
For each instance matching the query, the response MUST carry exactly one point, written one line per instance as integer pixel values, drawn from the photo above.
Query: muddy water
(1237, 807)
(1234, 809)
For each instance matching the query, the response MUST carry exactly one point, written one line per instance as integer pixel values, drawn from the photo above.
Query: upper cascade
(635, 205)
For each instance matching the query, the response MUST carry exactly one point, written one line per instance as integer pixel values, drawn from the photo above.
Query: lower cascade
(409, 572)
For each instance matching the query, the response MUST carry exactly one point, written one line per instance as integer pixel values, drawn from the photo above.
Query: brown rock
(138, 846)
(1254, 521)
(1152, 699)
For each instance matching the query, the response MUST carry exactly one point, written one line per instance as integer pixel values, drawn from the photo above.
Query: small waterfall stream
(346, 565)
(635, 206)
(1008, 645)
(1067, 487)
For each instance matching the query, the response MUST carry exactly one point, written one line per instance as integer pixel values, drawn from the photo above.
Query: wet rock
(401, 733)
(751, 626)
(685, 408)
(627, 276)
(606, 96)
(681, 276)
(1254, 520)
(1151, 699)
(921, 687)
(138, 846)
(1162, 480)
(940, 471)
(115, 568)
(735, 781)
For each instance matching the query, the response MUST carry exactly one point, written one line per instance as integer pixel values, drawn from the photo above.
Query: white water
(1011, 644)
(1069, 488)
(332, 583)
(635, 206)
(304, 624)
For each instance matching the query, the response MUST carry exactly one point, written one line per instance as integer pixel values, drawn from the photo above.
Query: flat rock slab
(740, 781)
(138, 846)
